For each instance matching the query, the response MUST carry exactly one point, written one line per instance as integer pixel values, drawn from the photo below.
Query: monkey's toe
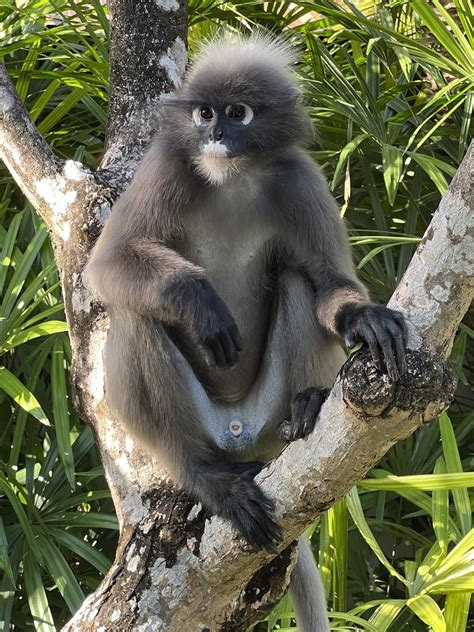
(248, 509)
(304, 412)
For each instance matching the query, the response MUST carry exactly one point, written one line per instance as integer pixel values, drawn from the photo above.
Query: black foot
(304, 411)
(236, 497)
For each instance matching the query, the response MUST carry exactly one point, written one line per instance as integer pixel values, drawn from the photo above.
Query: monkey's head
(237, 107)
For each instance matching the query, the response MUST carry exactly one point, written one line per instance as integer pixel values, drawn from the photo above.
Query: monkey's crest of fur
(235, 51)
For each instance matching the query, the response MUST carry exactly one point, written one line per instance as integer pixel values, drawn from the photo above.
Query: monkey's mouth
(216, 163)
(215, 160)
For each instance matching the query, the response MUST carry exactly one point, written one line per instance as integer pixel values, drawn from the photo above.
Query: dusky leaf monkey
(226, 272)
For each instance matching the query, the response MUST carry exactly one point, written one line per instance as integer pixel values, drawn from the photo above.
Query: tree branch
(438, 286)
(56, 188)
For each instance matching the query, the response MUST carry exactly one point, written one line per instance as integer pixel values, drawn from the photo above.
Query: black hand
(382, 329)
(195, 303)
(216, 328)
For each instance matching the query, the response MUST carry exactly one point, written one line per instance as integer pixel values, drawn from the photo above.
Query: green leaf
(59, 112)
(453, 464)
(456, 611)
(23, 519)
(392, 162)
(5, 563)
(456, 45)
(37, 599)
(440, 500)
(7, 593)
(22, 269)
(426, 482)
(90, 520)
(41, 329)
(8, 247)
(386, 614)
(428, 611)
(61, 574)
(357, 515)
(83, 549)
(340, 542)
(344, 156)
(21, 395)
(61, 411)
(359, 621)
(459, 560)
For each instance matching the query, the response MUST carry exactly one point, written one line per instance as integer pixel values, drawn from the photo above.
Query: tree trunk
(173, 565)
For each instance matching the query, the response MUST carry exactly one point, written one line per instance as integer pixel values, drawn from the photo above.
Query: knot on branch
(263, 591)
(425, 389)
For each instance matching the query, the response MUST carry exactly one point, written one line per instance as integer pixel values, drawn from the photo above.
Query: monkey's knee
(305, 409)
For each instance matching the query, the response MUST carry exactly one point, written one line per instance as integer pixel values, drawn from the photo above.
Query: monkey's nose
(216, 133)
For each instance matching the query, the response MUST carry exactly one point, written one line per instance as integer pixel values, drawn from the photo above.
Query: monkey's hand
(305, 409)
(197, 305)
(382, 329)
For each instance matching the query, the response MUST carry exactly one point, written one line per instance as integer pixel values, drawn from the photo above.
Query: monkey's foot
(304, 411)
(229, 490)
(248, 510)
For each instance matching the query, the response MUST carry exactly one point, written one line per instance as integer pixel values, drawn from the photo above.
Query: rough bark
(147, 59)
(173, 565)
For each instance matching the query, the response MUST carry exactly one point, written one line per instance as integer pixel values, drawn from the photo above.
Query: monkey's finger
(350, 340)
(284, 430)
(298, 406)
(374, 348)
(208, 356)
(398, 346)
(271, 532)
(384, 341)
(258, 528)
(400, 318)
(217, 351)
(236, 337)
(310, 414)
(228, 347)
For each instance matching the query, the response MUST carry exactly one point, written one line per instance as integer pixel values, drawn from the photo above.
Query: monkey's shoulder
(296, 183)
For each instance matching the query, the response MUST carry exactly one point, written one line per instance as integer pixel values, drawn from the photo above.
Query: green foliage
(389, 87)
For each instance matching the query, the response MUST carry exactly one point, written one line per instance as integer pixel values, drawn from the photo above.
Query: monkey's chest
(234, 258)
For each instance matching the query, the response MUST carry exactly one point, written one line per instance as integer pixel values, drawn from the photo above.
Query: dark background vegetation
(389, 86)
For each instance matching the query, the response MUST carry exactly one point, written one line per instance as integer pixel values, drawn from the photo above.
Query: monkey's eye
(239, 112)
(206, 113)
(203, 113)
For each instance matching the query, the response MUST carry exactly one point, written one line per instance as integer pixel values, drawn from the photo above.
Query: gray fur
(307, 592)
(245, 238)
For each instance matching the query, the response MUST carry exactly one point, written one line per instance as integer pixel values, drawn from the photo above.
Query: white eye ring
(248, 113)
(197, 118)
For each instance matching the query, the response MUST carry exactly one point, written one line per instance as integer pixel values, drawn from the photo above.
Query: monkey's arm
(143, 276)
(318, 245)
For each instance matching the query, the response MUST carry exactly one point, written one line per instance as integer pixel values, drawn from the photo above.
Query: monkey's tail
(307, 592)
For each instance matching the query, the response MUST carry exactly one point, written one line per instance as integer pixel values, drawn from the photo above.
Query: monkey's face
(227, 120)
(223, 144)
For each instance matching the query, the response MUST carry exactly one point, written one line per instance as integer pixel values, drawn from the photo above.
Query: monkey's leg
(299, 366)
(154, 391)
